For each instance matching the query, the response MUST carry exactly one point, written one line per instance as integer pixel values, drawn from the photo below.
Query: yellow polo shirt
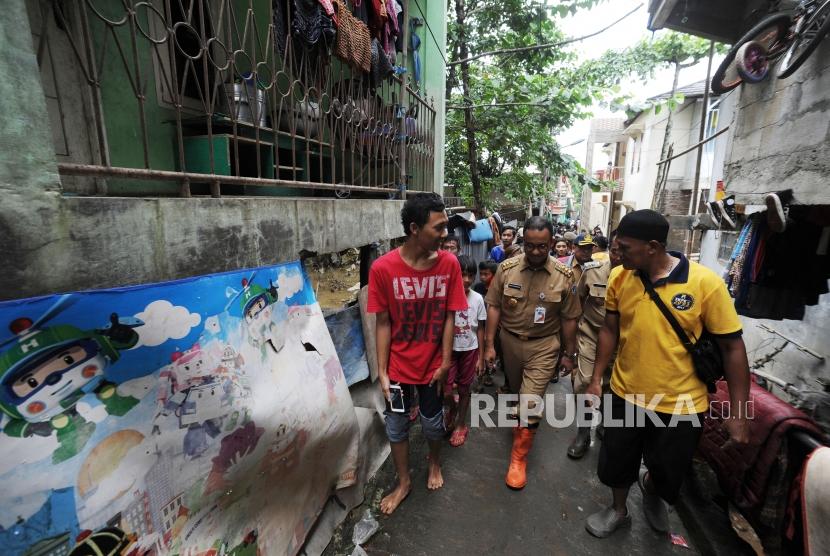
(651, 361)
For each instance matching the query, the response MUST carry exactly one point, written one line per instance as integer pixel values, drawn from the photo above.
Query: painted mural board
(346, 330)
(202, 416)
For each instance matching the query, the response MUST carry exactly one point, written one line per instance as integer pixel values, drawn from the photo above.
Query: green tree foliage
(505, 110)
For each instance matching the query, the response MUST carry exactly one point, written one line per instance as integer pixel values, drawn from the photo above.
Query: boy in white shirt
(467, 355)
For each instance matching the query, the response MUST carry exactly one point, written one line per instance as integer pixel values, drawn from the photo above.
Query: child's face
(486, 276)
(451, 246)
(467, 279)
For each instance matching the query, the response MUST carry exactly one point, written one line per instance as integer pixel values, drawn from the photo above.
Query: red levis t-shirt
(417, 302)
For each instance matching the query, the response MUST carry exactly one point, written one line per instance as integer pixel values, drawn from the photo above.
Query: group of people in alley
(580, 306)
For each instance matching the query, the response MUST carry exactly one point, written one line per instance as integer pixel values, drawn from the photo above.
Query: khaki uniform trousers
(581, 376)
(529, 365)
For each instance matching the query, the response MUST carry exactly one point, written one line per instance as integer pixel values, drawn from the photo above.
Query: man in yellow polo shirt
(653, 379)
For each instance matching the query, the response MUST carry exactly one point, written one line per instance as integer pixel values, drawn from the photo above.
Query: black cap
(645, 224)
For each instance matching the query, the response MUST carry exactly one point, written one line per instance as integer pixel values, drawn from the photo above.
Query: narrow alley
(244, 240)
(475, 513)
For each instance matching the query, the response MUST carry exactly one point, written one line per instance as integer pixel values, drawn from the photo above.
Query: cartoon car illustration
(255, 304)
(47, 370)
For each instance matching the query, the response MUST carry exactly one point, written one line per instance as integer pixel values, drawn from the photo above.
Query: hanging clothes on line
(776, 275)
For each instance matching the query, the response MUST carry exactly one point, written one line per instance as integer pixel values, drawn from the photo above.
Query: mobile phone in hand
(396, 404)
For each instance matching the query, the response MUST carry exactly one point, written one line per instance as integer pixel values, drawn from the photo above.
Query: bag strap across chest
(655, 297)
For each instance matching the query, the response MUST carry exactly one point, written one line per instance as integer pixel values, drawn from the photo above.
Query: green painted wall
(433, 52)
(121, 107)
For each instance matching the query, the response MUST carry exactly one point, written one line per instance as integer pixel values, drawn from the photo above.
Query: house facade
(778, 140)
(141, 142)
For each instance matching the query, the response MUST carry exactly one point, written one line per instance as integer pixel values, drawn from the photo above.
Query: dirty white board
(206, 415)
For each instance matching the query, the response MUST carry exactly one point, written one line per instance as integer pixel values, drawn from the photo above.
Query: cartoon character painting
(46, 371)
(256, 307)
(196, 389)
(213, 420)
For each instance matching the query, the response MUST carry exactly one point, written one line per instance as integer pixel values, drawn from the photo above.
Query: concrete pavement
(475, 513)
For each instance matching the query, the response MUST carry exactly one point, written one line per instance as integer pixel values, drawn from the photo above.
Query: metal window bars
(241, 99)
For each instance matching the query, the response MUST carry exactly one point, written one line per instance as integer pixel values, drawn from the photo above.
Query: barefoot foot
(392, 500)
(435, 480)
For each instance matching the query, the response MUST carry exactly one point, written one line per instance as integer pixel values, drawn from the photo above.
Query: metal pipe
(405, 85)
(797, 345)
(68, 169)
(694, 202)
(693, 147)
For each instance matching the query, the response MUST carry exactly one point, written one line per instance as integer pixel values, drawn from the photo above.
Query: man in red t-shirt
(415, 291)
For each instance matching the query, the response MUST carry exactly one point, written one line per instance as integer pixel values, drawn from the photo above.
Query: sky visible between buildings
(622, 35)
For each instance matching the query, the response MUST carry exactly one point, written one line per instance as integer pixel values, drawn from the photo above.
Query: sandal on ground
(459, 435)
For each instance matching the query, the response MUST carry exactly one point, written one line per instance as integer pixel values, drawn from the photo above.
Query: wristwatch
(571, 356)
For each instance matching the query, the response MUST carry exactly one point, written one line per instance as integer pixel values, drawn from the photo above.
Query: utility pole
(402, 177)
(694, 202)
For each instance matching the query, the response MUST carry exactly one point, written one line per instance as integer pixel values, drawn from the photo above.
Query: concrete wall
(781, 135)
(780, 138)
(51, 242)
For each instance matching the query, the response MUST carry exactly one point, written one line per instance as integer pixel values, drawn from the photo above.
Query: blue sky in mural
(94, 313)
(166, 318)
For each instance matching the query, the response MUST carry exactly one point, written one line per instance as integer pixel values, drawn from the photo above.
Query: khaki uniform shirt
(591, 292)
(533, 301)
(575, 266)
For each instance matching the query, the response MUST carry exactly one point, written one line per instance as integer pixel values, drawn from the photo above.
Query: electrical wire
(429, 28)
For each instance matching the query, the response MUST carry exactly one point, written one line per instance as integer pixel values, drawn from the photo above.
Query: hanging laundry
(381, 67)
(354, 44)
(415, 44)
(328, 7)
(311, 26)
(775, 275)
(399, 18)
(280, 18)
(735, 270)
(377, 17)
(391, 30)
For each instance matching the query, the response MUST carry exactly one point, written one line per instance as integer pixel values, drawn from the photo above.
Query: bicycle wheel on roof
(807, 38)
(769, 33)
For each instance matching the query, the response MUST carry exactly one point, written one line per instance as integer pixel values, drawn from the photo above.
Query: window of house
(193, 79)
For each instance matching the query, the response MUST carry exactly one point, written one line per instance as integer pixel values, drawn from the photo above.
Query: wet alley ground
(475, 513)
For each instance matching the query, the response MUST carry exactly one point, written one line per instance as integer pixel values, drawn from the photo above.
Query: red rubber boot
(517, 472)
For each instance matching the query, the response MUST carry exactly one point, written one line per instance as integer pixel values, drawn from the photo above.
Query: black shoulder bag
(706, 355)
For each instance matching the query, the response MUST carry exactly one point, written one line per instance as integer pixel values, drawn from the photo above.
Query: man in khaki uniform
(532, 298)
(583, 250)
(590, 291)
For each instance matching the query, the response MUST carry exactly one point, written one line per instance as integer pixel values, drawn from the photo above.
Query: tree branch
(540, 46)
(496, 104)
